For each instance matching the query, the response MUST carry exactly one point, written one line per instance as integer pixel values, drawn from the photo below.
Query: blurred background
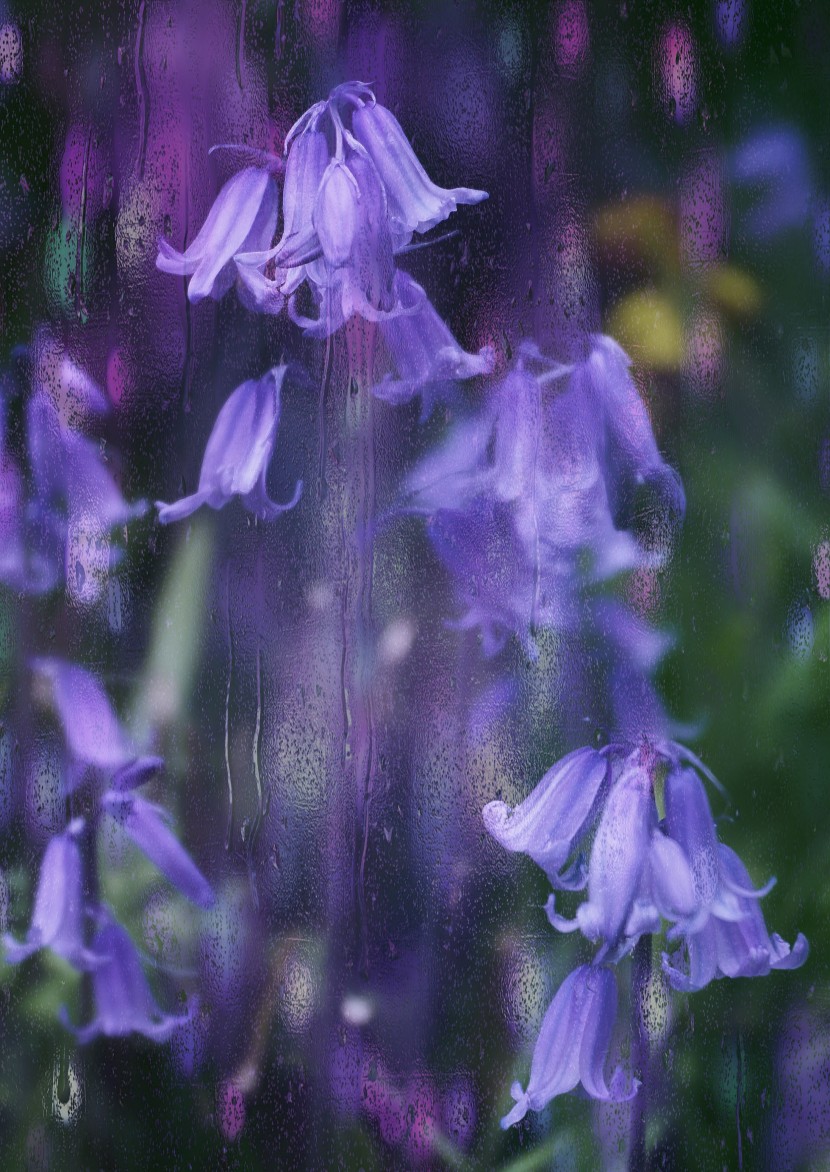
(375, 969)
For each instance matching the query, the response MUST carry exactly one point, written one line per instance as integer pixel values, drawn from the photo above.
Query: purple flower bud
(147, 825)
(573, 1045)
(123, 1001)
(243, 219)
(58, 918)
(238, 453)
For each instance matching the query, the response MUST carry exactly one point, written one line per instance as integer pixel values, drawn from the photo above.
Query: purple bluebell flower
(148, 827)
(123, 1001)
(725, 933)
(238, 453)
(354, 194)
(618, 856)
(243, 218)
(70, 491)
(545, 478)
(642, 871)
(424, 354)
(416, 204)
(548, 823)
(59, 914)
(573, 1045)
(93, 733)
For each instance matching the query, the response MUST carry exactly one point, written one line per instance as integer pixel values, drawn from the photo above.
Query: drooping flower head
(354, 195)
(124, 1003)
(58, 494)
(243, 218)
(239, 452)
(543, 480)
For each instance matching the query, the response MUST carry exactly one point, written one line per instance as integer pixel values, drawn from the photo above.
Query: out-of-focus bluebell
(573, 1045)
(148, 827)
(56, 488)
(772, 165)
(354, 195)
(425, 356)
(59, 914)
(543, 485)
(243, 218)
(238, 453)
(123, 1001)
(100, 748)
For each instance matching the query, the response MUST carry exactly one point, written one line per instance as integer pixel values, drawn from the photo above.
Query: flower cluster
(641, 871)
(354, 194)
(102, 772)
(544, 477)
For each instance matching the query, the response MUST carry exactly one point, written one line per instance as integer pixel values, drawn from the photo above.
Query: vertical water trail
(80, 308)
(187, 371)
(240, 44)
(229, 834)
(365, 758)
(141, 89)
(256, 746)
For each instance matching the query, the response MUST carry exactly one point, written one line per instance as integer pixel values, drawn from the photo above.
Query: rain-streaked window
(414, 583)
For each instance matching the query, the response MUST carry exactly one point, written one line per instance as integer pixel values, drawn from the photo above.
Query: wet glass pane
(414, 579)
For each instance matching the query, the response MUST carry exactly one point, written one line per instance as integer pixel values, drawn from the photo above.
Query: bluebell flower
(238, 453)
(93, 732)
(618, 857)
(354, 194)
(59, 914)
(243, 218)
(123, 1001)
(642, 871)
(96, 741)
(573, 1045)
(425, 356)
(59, 489)
(546, 478)
(148, 827)
(554, 817)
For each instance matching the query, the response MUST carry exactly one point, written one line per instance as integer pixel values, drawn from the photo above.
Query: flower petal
(416, 204)
(549, 822)
(92, 730)
(146, 824)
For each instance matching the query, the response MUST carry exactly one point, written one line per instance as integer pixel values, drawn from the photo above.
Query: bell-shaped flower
(424, 354)
(123, 1001)
(689, 822)
(59, 914)
(739, 946)
(58, 490)
(619, 855)
(549, 824)
(239, 452)
(148, 827)
(349, 206)
(547, 474)
(416, 204)
(243, 218)
(573, 1045)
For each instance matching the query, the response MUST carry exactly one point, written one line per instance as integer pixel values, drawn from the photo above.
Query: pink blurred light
(677, 71)
(571, 36)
